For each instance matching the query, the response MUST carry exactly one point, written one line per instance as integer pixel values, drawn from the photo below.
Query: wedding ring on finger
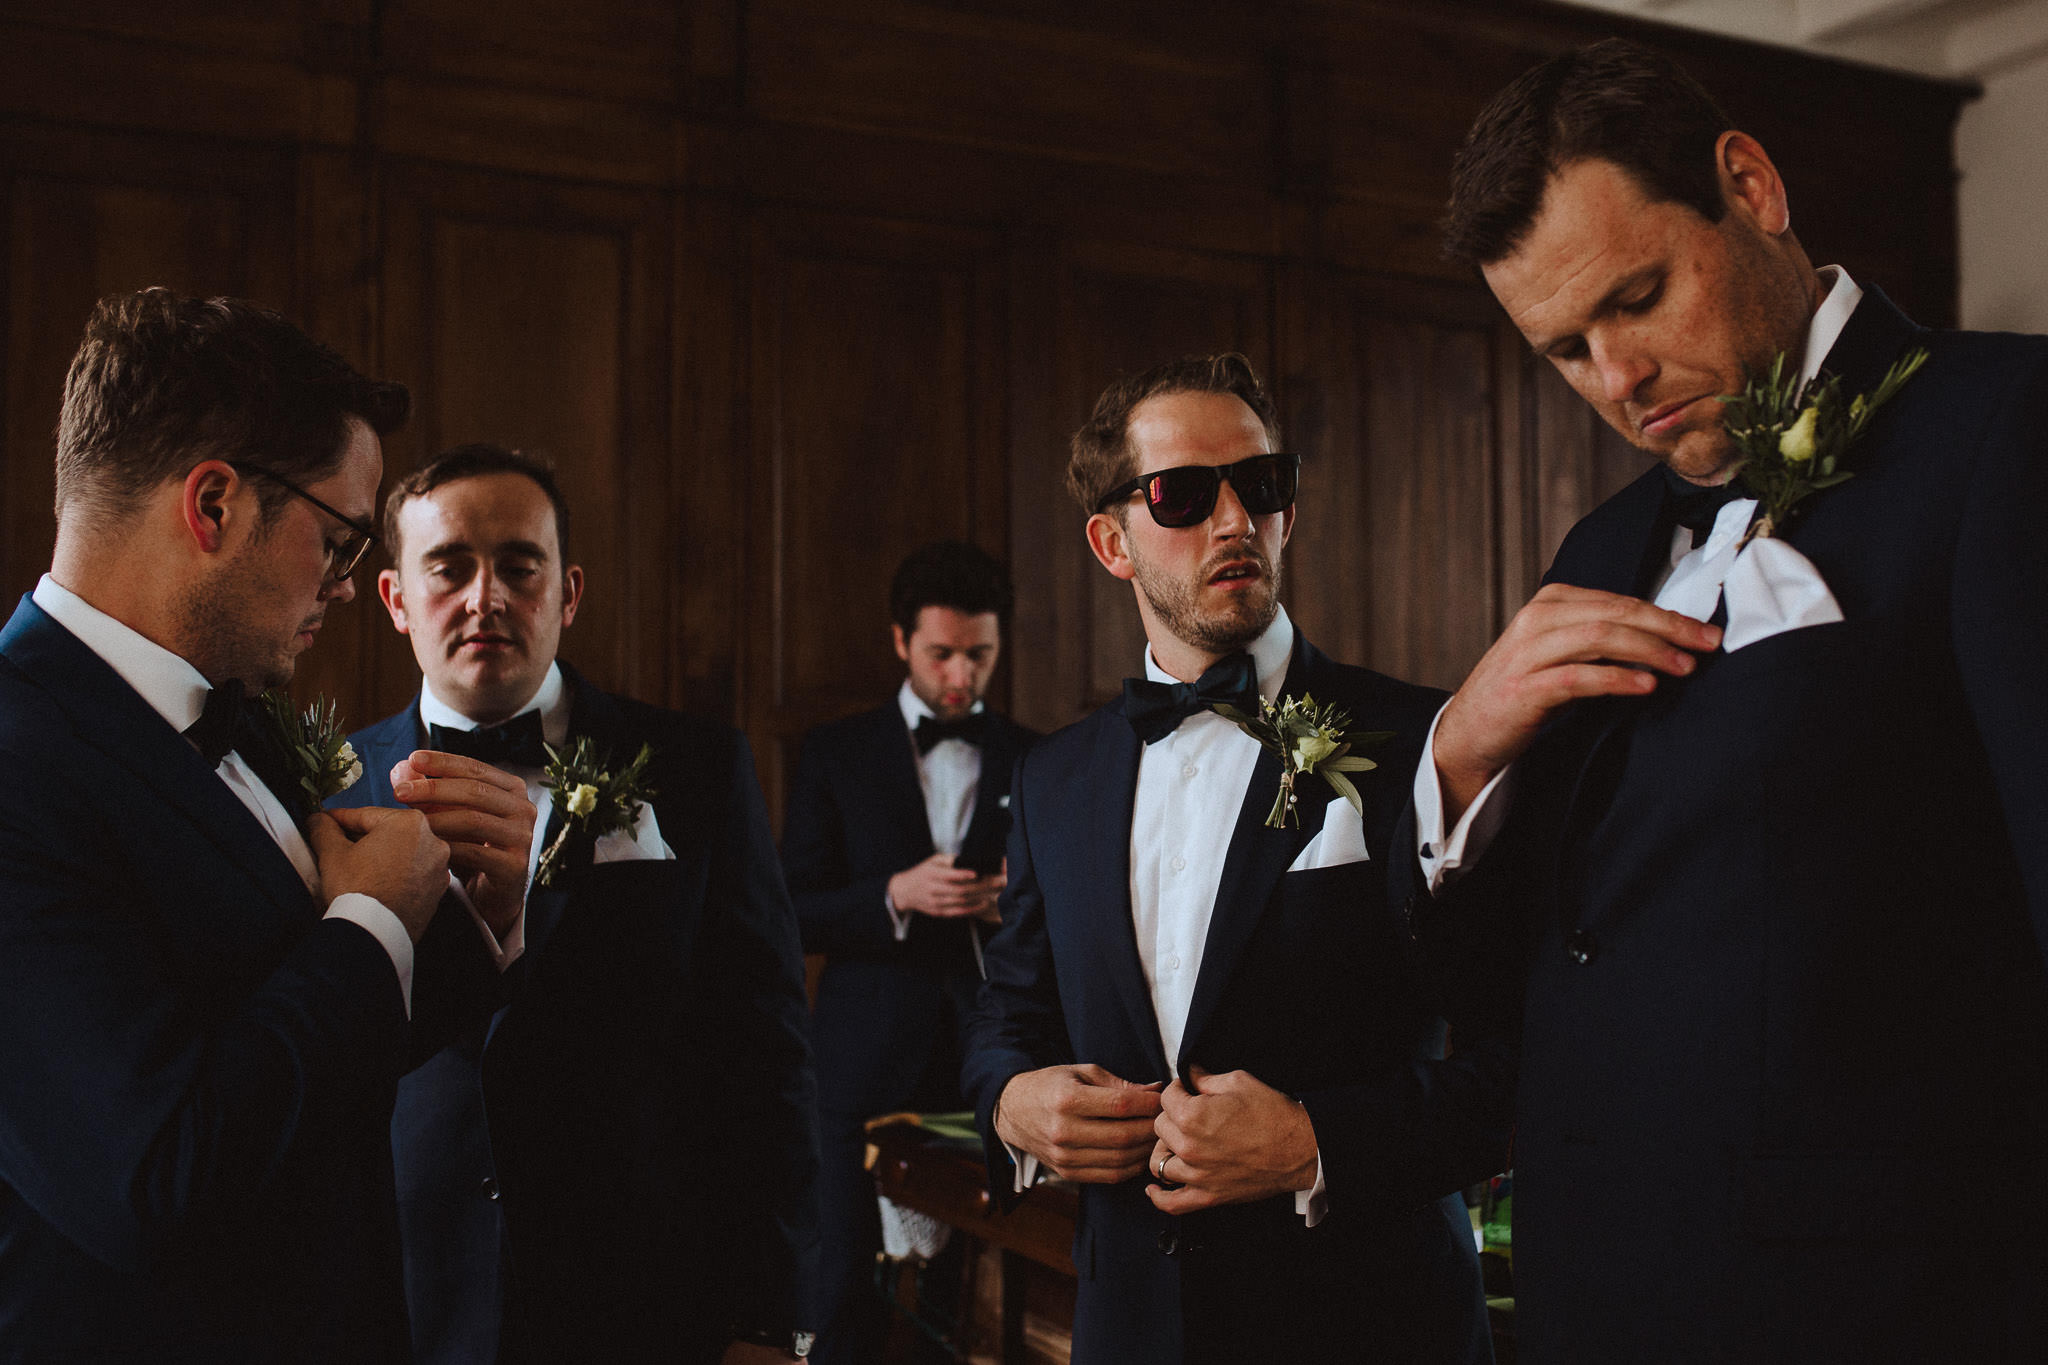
(1160, 1170)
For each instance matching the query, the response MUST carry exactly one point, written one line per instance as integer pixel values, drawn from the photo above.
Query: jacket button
(1581, 946)
(1169, 1242)
(490, 1187)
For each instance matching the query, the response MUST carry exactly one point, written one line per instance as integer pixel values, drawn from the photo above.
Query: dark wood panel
(93, 215)
(536, 316)
(877, 426)
(623, 49)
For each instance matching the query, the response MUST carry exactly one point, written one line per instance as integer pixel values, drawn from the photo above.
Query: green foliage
(1310, 740)
(594, 798)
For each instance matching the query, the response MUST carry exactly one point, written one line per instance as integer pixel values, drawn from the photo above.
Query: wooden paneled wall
(788, 287)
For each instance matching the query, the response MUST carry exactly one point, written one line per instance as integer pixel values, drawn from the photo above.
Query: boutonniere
(1792, 436)
(595, 799)
(1311, 740)
(314, 744)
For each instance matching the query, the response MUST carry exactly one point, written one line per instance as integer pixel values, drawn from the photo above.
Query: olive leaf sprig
(1310, 740)
(314, 743)
(596, 800)
(1793, 435)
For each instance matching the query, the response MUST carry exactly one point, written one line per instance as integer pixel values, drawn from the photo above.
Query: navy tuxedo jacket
(1305, 982)
(633, 1133)
(1773, 935)
(855, 818)
(197, 1078)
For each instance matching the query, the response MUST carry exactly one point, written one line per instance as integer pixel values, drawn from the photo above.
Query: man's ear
(572, 592)
(902, 644)
(1750, 182)
(392, 593)
(204, 503)
(1110, 538)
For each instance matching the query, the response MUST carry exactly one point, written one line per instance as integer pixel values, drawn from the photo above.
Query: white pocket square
(1341, 840)
(1772, 588)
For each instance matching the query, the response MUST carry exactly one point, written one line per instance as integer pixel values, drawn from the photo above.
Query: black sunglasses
(341, 559)
(1186, 494)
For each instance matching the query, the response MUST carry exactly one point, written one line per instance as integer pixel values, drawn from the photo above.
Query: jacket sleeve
(134, 1116)
(836, 911)
(1017, 1025)
(750, 1003)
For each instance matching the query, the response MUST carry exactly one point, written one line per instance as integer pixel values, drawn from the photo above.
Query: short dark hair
(950, 573)
(1101, 455)
(471, 461)
(1614, 101)
(162, 382)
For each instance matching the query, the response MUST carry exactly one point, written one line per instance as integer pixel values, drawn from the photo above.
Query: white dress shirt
(1690, 583)
(950, 778)
(554, 703)
(175, 690)
(1191, 788)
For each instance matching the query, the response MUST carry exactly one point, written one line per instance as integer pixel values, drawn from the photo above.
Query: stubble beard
(225, 645)
(1176, 602)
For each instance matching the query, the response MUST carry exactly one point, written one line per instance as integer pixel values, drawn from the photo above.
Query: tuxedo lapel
(1259, 856)
(897, 786)
(1103, 848)
(113, 719)
(1876, 334)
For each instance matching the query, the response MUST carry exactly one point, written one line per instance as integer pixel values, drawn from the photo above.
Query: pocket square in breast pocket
(1341, 839)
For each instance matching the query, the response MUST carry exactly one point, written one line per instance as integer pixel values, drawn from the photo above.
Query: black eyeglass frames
(1186, 494)
(342, 559)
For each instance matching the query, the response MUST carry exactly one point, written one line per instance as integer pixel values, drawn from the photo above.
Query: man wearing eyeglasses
(1207, 1022)
(208, 991)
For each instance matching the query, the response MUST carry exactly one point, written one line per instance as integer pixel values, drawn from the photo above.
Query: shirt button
(1188, 770)
(1179, 864)
(490, 1187)
(1582, 947)
(1173, 962)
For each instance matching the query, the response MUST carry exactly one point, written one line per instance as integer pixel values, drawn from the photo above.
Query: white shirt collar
(1829, 319)
(551, 699)
(1270, 653)
(173, 688)
(913, 708)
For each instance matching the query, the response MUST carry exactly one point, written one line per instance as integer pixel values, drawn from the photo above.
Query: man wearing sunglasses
(1207, 1022)
(208, 991)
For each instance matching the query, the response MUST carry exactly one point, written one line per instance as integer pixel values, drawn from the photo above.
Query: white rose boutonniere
(1311, 740)
(1792, 436)
(595, 798)
(314, 743)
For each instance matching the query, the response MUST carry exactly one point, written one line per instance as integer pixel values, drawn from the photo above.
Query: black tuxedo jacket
(197, 1078)
(1773, 935)
(855, 818)
(631, 1140)
(1305, 982)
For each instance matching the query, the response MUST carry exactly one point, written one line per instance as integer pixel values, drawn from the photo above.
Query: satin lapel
(1875, 335)
(896, 782)
(997, 756)
(1259, 856)
(1102, 848)
(113, 718)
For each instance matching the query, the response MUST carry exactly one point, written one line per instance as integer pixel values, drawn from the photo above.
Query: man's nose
(484, 593)
(1229, 520)
(1623, 370)
(340, 589)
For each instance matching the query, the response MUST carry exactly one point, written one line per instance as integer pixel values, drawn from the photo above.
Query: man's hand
(486, 819)
(935, 887)
(1084, 1123)
(392, 855)
(1567, 643)
(992, 913)
(1232, 1140)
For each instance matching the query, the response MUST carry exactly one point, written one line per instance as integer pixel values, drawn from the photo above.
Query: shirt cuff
(373, 915)
(898, 920)
(1026, 1166)
(504, 951)
(1314, 1202)
(1445, 857)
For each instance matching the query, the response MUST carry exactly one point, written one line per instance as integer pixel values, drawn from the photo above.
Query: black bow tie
(972, 727)
(519, 741)
(1155, 709)
(1697, 508)
(220, 723)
